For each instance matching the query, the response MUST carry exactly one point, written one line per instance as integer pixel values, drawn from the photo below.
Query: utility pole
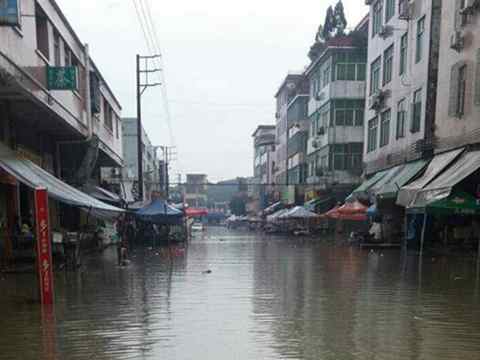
(141, 87)
(167, 157)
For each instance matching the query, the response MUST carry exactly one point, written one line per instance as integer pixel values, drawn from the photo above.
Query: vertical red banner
(44, 248)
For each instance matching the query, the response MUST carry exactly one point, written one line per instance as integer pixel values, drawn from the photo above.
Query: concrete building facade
(403, 53)
(458, 105)
(60, 121)
(336, 111)
(195, 193)
(264, 164)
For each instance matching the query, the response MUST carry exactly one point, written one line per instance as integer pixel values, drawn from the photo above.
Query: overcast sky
(223, 62)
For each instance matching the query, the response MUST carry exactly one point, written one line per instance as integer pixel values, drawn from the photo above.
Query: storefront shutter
(453, 98)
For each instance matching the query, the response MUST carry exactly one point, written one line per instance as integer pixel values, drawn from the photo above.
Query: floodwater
(265, 298)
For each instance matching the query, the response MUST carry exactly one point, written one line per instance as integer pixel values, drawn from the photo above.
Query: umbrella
(351, 208)
(298, 212)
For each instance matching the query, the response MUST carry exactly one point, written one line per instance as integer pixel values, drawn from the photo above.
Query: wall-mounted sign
(9, 13)
(61, 78)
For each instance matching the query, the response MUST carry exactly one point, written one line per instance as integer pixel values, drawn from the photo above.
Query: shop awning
(273, 208)
(390, 174)
(319, 205)
(103, 195)
(362, 190)
(34, 176)
(160, 212)
(406, 173)
(437, 165)
(441, 187)
(298, 212)
(459, 203)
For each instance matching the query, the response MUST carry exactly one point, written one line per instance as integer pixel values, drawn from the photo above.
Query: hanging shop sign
(61, 78)
(44, 249)
(9, 13)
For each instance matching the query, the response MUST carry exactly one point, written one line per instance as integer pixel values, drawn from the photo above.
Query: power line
(140, 21)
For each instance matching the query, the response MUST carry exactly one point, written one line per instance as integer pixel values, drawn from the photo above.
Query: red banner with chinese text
(44, 249)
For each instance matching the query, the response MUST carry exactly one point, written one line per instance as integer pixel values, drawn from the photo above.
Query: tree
(340, 20)
(329, 25)
(319, 36)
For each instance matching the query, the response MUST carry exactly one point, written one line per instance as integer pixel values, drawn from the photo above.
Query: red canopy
(347, 214)
(353, 208)
(192, 212)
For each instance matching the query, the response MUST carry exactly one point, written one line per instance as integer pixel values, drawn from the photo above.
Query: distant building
(264, 164)
(126, 179)
(287, 92)
(196, 191)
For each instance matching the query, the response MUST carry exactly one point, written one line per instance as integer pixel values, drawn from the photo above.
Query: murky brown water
(265, 299)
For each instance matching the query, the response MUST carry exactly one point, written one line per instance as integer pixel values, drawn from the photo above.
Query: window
(416, 111)
(340, 117)
(372, 134)
(462, 81)
(67, 55)
(361, 72)
(346, 156)
(385, 128)
(359, 114)
(401, 117)
(375, 75)
(403, 53)
(326, 76)
(107, 115)
(390, 10)
(56, 48)
(42, 31)
(117, 126)
(388, 65)
(350, 72)
(377, 17)
(420, 36)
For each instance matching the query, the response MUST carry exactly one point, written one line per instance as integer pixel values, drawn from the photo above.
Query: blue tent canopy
(160, 212)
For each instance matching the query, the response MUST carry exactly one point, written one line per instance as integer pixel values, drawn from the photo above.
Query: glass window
(462, 79)
(385, 128)
(340, 117)
(403, 53)
(359, 114)
(56, 48)
(349, 117)
(401, 117)
(388, 65)
(417, 111)
(377, 17)
(41, 23)
(390, 10)
(361, 72)
(372, 134)
(375, 75)
(341, 71)
(420, 38)
(326, 76)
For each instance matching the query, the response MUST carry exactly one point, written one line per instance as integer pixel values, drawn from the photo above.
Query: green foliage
(329, 25)
(340, 20)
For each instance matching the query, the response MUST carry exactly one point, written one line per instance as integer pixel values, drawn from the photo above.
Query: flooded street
(265, 298)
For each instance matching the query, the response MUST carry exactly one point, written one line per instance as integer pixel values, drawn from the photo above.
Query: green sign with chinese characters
(61, 78)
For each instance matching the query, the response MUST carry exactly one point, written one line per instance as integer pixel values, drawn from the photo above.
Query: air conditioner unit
(457, 41)
(321, 130)
(315, 144)
(385, 31)
(405, 10)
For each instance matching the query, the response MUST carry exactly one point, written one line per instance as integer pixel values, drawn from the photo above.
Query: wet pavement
(265, 298)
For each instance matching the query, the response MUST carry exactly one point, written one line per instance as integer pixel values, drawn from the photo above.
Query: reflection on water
(266, 298)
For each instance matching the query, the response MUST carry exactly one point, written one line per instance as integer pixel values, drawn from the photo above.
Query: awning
(437, 165)
(193, 212)
(441, 187)
(319, 205)
(362, 190)
(459, 203)
(298, 212)
(390, 174)
(407, 172)
(34, 176)
(160, 212)
(272, 208)
(103, 195)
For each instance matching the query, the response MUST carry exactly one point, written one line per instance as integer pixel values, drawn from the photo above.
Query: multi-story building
(336, 104)
(285, 94)
(264, 163)
(297, 135)
(458, 105)
(403, 54)
(125, 180)
(51, 86)
(196, 194)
